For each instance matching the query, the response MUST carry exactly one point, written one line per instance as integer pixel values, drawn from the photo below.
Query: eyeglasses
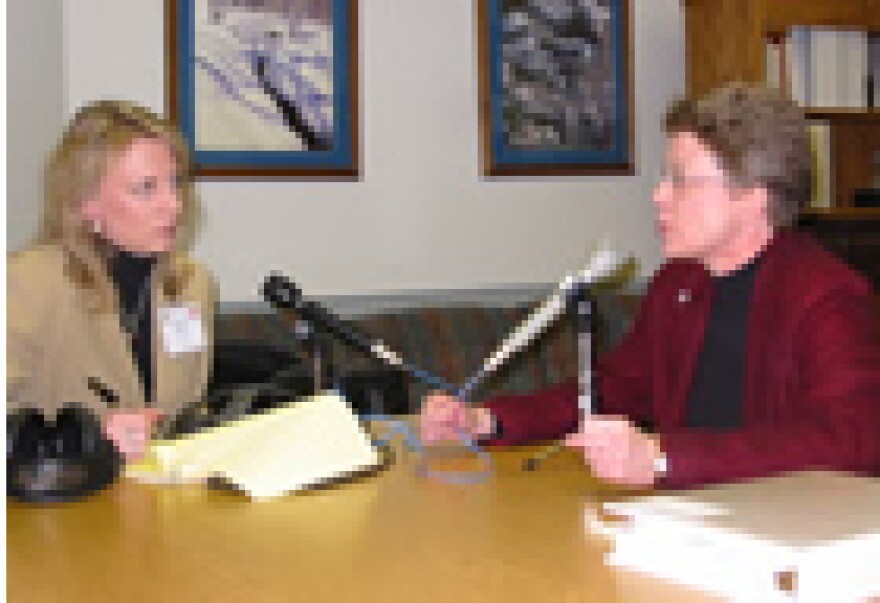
(679, 181)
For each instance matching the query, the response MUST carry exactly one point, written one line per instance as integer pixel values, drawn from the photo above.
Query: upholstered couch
(449, 340)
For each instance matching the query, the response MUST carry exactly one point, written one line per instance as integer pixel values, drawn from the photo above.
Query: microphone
(283, 294)
(603, 263)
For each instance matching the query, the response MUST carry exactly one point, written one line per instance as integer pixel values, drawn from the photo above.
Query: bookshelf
(726, 41)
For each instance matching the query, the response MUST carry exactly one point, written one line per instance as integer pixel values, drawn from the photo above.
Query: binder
(808, 536)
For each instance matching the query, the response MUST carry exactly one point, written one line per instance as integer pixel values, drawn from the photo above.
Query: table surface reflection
(393, 536)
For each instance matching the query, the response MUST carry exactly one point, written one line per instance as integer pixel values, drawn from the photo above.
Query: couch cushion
(453, 340)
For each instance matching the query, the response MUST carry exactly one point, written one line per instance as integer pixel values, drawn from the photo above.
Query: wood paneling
(858, 14)
(723, 44)
(853, 148)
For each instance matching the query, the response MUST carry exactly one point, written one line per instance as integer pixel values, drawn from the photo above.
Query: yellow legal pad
(304, 443)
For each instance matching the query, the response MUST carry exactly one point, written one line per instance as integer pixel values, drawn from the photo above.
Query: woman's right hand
(445, 418)
(130, 431)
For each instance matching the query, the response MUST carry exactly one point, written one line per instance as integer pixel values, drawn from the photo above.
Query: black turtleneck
(131, 273)
(715, 400)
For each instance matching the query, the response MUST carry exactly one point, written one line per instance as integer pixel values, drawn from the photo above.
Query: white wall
(34, 108)
(422, 217)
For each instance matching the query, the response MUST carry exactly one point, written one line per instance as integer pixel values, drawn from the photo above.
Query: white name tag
(182, 330)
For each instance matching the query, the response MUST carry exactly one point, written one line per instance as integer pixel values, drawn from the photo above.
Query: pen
(107, 395)
(161, 428)
(532, 463)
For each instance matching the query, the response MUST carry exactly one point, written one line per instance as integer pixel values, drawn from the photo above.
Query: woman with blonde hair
(104, 309)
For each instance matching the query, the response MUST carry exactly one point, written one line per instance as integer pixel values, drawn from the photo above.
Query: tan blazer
(55, 341)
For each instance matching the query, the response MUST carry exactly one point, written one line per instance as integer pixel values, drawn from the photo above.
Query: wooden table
(391, 537)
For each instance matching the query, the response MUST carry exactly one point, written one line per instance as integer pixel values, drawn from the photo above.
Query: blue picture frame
(555, 87)
(265, 88)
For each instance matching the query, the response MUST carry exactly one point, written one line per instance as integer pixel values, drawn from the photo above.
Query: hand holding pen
(446, 418)
(130, 430)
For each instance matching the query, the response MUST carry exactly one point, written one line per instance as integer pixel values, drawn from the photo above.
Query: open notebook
(808, 536)
(308, 442)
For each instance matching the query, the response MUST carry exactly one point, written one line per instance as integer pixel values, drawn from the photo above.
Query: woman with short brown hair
(755, 352)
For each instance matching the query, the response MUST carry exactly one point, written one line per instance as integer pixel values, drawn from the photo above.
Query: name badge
(182, 330)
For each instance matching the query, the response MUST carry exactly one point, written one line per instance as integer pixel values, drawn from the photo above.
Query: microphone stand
(585, 323)
(320, 352)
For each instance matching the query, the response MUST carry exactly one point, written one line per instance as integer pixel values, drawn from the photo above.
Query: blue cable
(429, 379)
(412, 443)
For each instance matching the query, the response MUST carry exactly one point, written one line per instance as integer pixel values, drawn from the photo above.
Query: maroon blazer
(811, 396)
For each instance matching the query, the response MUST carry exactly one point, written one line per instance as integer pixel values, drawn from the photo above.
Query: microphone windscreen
(280, 292)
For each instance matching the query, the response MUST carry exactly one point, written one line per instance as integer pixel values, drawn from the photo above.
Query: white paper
(733, 539)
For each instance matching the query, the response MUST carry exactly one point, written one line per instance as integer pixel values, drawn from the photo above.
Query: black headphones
(58, 461)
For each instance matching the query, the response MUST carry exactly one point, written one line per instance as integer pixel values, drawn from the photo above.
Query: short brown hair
(761, 138)
(99, 132)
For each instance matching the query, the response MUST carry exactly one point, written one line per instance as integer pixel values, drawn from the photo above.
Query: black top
(715, 400)
(131, 273)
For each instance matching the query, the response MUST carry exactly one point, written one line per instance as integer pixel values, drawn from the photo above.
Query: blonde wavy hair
(762, 139)
(97, 134)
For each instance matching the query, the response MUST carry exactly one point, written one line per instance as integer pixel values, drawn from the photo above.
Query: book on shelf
(852, 68)
(774, 57)
(795, 66)
(874, 70)
(820, 141)
(825, 68)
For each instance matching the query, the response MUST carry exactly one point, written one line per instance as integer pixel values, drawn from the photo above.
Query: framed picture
(265, 88)
(555, 87)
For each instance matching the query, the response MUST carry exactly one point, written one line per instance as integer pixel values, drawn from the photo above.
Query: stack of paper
(303, 444)
(812, 536)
